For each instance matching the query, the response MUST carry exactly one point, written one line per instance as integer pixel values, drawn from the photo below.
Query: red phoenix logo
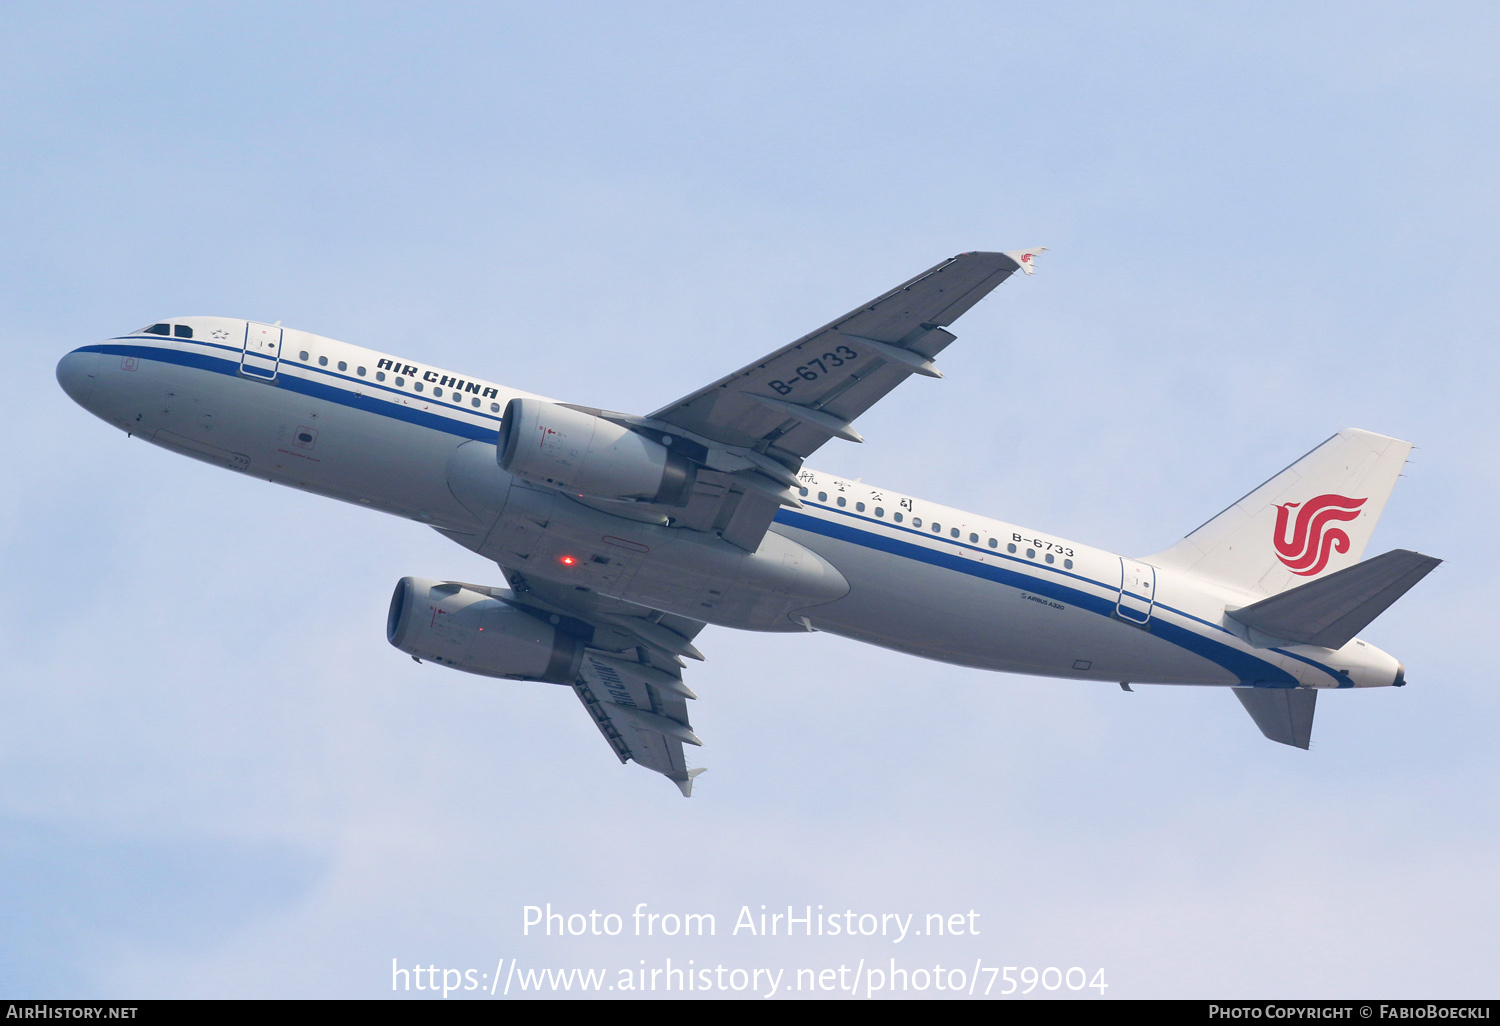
(1306, 552)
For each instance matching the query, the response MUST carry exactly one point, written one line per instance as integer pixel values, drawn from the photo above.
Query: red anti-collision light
(566, 560)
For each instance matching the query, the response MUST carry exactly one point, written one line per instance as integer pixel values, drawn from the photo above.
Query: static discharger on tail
(621, 535)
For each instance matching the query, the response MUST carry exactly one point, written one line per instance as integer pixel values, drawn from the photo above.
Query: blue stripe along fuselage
(837, 524)
(318, 390)
(1248, 668)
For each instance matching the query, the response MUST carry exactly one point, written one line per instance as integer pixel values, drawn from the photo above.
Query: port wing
(630, 677)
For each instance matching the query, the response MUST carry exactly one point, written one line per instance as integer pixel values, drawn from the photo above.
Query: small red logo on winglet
(1312, 542)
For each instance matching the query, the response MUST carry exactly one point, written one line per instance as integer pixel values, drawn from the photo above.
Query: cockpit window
(182, 331)
(157, 329)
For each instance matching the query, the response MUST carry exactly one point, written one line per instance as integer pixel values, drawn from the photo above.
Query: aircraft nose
(76, 373)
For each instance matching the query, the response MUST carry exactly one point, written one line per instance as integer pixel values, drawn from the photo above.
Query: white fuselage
(858, 561)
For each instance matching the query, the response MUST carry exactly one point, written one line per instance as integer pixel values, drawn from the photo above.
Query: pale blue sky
(1266, 224)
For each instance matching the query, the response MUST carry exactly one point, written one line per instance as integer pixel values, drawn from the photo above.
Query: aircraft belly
(546, 534)
(943, 614)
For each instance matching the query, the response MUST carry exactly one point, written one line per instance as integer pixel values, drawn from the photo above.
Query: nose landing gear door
(1137, 592)
(262, 353)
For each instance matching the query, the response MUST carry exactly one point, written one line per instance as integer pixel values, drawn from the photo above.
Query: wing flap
(641, 723)
(747, 522)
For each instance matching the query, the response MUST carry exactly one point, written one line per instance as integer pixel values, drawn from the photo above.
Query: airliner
(620, 536)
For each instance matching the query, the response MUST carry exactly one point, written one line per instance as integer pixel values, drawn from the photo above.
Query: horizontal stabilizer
(1282, 714)
(1333, 609)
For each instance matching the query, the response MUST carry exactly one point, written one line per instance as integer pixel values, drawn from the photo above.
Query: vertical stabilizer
(1313, 518)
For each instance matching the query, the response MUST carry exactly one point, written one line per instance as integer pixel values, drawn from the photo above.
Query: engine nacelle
(549, 444)
(475, 633)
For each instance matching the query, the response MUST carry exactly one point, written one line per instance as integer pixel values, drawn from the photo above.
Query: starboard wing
(796, 398)
(750, 431)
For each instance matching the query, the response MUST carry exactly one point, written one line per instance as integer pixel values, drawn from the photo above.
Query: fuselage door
(1137, 591)
(262, 351)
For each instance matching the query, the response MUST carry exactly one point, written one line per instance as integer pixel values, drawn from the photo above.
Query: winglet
(685, 782)
(1024, 258)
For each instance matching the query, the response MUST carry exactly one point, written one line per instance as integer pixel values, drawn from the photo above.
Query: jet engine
(472, 631)
(554, 445)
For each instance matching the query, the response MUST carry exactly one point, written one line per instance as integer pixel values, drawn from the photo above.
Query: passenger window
(475, 402)
(953, 533)
(157, 329)
(859, 507)
(343, 366)
(802, 491)
(937, 528)
(1068, 563)
(495, 408)
(898, 518)
(417, 385)
(1050, 559)
(182, 331)
(822, 496)
(438, 392)
(843, 501)
(994, 543)
(1031, 553)
(322, 361)
(400, 382)
(360, 371)
(974, 538)
(915, 521)
(302, 356)
(1010, 547)
(880, 511)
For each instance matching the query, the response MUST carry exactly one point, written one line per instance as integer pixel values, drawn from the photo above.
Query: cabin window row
(937, 528)
(400, 382)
